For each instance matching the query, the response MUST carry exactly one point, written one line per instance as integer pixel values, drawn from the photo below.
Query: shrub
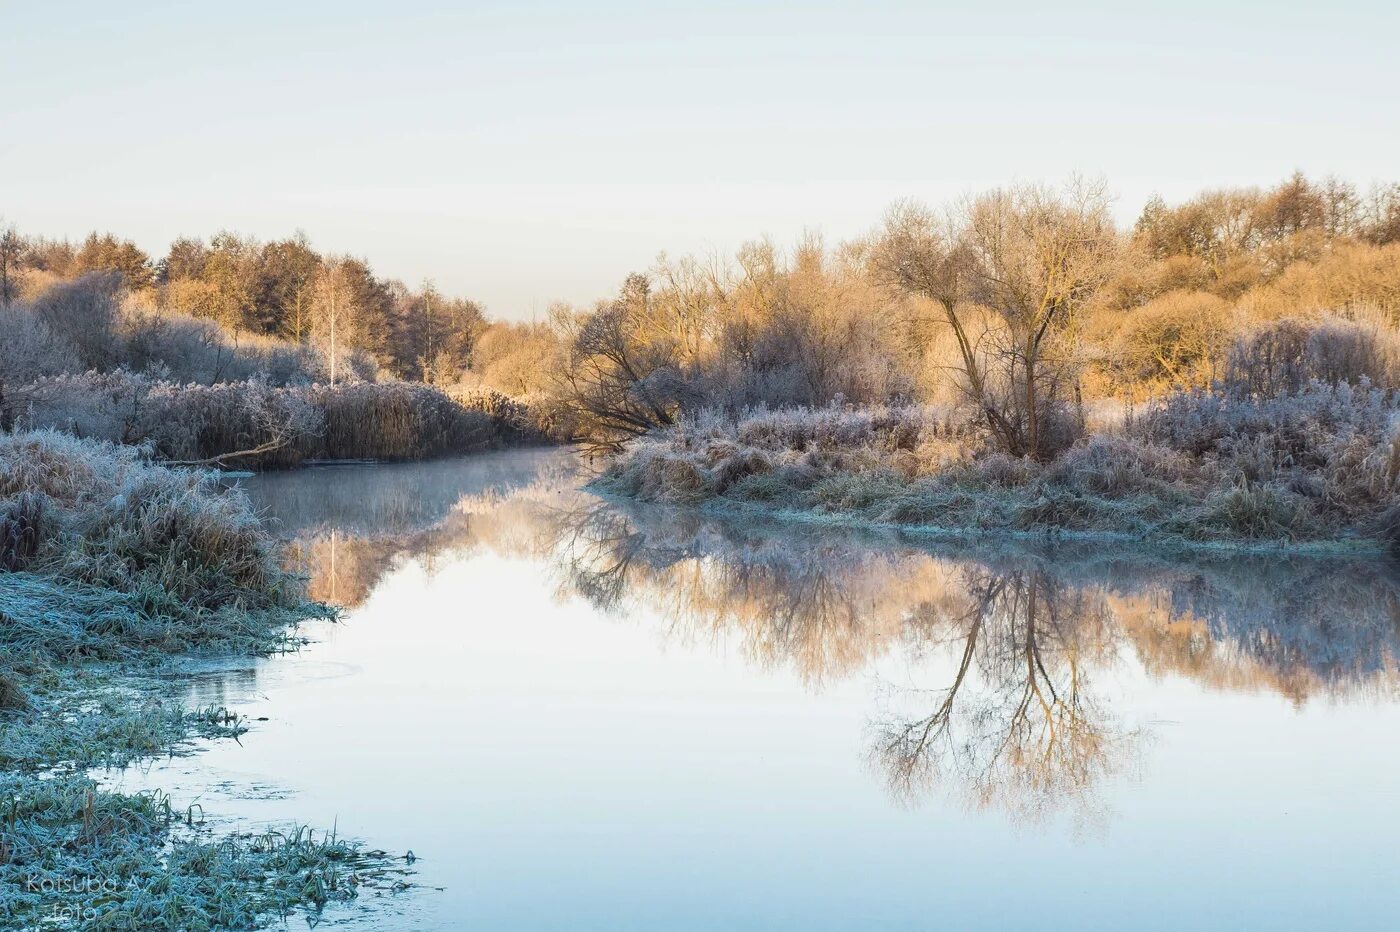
(1302, 429)
(188, 349)
(817, 430)
(1282, 357)
(1348, 278)
(1175, 339)
(84, 312)
(91, 405)
(32, 349)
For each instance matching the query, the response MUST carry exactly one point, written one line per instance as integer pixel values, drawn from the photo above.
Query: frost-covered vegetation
(1304, 462)
(1225, 373)
(113, 572)
(1022, 301)
(80, 858)
(256, 424)
(94, 323)
(98, 515)
(94, 356)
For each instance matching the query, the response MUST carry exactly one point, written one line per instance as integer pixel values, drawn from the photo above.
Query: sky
(525, 152)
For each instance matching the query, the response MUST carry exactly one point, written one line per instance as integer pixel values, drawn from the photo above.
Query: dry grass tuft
(12, 697)
(90, 514)
(21, 527)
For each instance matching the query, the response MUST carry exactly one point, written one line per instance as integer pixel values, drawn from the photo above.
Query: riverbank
(1315, 470)
(116, 576)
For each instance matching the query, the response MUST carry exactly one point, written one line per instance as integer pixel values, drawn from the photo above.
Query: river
(587, 715)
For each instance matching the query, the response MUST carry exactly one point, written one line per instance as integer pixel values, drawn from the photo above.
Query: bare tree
(923, 253)
(1039, 256)
(625, 374)
(1032, 257)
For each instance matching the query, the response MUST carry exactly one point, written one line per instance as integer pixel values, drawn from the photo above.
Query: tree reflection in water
(1015, 721)
(1018, 723)
(1018, 633)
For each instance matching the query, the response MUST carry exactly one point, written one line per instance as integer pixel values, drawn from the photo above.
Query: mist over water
(579, 714)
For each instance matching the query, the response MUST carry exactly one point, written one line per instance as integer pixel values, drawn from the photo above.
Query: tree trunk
(1032, 416)
(332, 342)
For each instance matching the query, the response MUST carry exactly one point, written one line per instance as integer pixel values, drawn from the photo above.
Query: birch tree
(334, 312)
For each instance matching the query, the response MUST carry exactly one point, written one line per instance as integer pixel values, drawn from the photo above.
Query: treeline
(1023, 304)
(185, 357)
(1248, 341)
(282, 290)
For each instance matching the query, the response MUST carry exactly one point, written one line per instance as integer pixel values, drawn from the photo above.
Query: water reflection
(1014, 722)
(348, 526)
(1018, 723)
(989, 660)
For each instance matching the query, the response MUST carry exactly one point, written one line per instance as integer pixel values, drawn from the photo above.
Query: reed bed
(524, 421)
(255, 425)
(397, 421)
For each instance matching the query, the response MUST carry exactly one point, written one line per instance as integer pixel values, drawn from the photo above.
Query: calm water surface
(588, 716)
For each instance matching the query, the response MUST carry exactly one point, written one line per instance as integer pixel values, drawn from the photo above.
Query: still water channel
(585, 715)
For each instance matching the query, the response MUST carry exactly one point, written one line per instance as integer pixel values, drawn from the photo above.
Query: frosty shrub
(32, 349)
(85, 313)
(190, 349)
(1282, 357)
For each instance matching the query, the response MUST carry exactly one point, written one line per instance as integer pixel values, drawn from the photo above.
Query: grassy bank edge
(119, 579)
(75, 853)
(727, 508)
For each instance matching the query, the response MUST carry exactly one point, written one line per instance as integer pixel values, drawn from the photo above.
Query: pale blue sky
(522, 152)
